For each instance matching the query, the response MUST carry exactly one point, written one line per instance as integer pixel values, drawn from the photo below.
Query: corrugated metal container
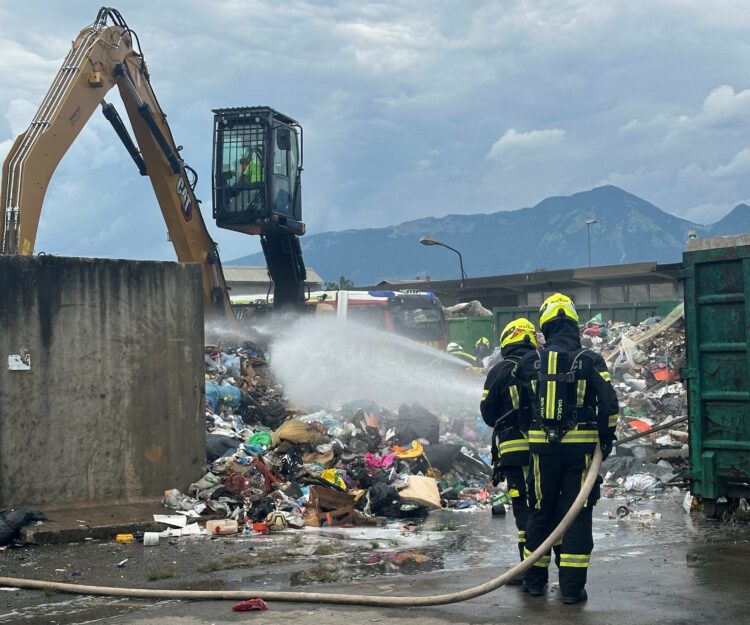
(717, 314)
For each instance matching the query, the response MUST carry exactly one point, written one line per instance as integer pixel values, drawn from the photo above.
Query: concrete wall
(111, 409)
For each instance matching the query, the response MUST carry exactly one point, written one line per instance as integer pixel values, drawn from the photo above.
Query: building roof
(236, 273)
(543, 280)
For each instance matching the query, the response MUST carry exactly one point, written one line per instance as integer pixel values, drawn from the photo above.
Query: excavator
(257, 163)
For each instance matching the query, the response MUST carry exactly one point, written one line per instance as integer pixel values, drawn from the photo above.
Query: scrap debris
(645, 362)
(273, 465)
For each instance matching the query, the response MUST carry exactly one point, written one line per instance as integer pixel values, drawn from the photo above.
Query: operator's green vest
(254, 171)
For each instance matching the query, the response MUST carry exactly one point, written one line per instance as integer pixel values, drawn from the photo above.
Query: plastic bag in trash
(232, 365)
(13, 520)
(641, 482)
(226, 393)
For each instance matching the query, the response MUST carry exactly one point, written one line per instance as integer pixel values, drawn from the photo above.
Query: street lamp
(431, 241)
(588, 232)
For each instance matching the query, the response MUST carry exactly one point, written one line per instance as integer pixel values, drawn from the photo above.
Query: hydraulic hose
(335, 598)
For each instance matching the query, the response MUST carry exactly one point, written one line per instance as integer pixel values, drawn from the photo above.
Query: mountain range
(550, 235)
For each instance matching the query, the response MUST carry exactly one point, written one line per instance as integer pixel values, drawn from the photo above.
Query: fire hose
(335, 598)
(347, 599)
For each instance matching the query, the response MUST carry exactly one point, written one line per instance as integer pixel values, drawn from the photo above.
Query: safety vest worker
(506, 407)
(252, 170)
(574, 408)
(455, 349)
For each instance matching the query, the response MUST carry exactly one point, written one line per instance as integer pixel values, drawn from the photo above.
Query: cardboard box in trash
(421, 490)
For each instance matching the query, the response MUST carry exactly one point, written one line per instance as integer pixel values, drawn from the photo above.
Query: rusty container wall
(717, 316)
(110, 409)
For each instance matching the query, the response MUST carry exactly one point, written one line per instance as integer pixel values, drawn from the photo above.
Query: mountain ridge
(552, 234)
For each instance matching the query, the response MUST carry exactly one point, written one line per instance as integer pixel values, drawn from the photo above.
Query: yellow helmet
(517, 331)
(555, 306)
(483, 341)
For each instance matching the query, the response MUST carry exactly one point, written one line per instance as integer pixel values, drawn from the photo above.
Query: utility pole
(589, 222)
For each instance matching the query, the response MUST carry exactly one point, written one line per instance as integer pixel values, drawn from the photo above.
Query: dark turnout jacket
(594, 404)
(506, 407)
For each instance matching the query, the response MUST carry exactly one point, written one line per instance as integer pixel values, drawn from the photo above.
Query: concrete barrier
(110, 406)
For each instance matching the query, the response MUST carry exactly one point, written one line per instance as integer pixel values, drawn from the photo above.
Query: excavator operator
(251, 168)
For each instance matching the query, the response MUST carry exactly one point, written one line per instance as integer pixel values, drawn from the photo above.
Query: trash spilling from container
(277, 461)
(645, 361)
(274, 465)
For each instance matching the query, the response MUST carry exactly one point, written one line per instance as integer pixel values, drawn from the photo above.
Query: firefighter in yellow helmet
(506, 407)
(574, 408)
(482, 349)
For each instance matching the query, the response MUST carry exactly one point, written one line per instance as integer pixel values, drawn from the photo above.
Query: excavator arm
(102, 56)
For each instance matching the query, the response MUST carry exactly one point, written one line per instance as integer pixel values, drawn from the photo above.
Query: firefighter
(455, 349)
(506, 408)
(482, 349)
(574, 407)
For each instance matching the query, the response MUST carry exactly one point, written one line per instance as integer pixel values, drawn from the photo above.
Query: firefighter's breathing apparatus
(345, 599)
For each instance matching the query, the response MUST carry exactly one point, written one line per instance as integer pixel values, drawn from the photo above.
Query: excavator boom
(103, 55)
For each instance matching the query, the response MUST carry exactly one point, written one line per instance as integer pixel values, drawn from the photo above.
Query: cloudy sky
(410, 109)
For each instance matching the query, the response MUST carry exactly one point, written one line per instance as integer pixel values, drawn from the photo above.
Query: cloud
(5, 148)
(401, 106)
(512, 142)
(739, 165)
(18, 115)
(723, 107)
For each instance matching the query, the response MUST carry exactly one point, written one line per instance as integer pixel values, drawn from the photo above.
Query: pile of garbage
(273, 465)
(645, 362)
(473, 308)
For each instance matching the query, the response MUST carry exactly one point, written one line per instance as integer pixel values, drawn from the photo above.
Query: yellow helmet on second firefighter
(519, 330)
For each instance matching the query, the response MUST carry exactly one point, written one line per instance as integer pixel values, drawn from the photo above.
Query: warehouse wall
(111, 408)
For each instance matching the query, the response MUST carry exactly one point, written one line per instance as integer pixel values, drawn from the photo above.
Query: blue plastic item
(229, 395)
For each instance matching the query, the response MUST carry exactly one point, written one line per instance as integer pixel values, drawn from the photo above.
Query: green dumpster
(466, 331)
(717, 305)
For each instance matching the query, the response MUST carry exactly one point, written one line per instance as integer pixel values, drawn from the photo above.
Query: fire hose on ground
(338, 598)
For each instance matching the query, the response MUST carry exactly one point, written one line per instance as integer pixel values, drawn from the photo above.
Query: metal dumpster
(717, 316)
(466, 331)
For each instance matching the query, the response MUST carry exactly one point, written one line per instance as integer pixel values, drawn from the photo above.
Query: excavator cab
(257, 190)
(257, 165)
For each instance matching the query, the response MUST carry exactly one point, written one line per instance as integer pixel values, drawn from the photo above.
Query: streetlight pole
(431, 241)
(589, 222)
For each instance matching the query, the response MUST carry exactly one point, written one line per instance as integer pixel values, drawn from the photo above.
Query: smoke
(324, 361)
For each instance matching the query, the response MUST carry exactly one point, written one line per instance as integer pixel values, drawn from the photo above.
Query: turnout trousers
(516, 478)
(554, 481)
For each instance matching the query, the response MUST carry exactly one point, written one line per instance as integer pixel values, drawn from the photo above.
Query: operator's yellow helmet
(518, 331)
(483, 341)
(555, 307)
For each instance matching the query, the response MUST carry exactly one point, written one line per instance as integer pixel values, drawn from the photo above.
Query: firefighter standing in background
(574, 407)
(506, 408)
(482, 349)
(455, 349)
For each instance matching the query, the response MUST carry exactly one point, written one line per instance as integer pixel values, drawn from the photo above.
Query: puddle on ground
(462, 540)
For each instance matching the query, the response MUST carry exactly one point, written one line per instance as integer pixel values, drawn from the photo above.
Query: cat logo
(185, 200)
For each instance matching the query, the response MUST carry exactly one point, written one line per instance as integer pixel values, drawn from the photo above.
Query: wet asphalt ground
(677, 569)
